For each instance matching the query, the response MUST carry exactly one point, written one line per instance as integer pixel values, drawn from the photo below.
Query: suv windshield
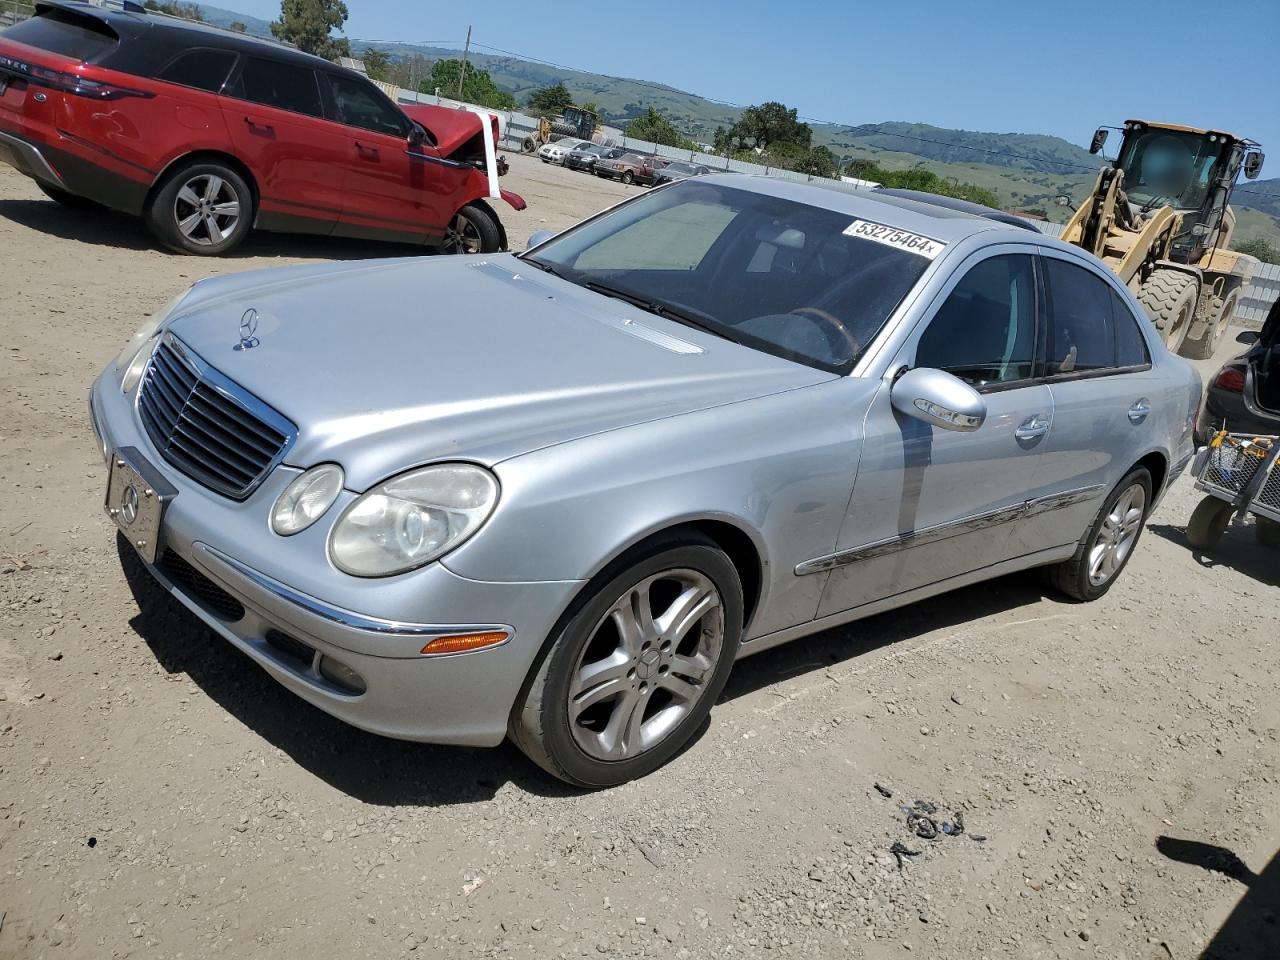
(1168, 167)
(776, 275)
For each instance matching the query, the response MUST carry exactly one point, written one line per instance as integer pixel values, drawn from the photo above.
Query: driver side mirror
(417, 135)
(1099, 138)
(1253, 164)
(939, 399)
(1248, 337)
(539, 237)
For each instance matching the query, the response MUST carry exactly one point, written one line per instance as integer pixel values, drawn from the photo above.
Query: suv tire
(203, 208)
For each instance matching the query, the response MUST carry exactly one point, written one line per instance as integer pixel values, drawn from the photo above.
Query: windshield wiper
(681, 314)
(545, 267)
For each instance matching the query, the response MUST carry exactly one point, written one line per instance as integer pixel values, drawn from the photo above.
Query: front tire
(1169, 297)
(1105, 550)
(628, 178)
(472, 230)
(204, 209)
(1267, 531)
(1207, 343)
(635, 670)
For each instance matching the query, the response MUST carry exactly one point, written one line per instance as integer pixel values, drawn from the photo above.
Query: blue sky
(1025, 67)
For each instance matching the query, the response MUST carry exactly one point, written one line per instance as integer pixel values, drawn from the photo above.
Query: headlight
(412, 519)
(306, 499)
(133, 358)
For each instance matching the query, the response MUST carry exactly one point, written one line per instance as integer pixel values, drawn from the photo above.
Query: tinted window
(360, 104)
(202, 69)
(65, 33)
(1082, 333)
(984, 333)
(278, 85)
(1131, 348)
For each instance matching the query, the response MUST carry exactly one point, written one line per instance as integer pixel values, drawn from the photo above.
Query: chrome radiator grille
(208, 427)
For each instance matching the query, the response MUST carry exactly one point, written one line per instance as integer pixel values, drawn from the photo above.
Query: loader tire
(1204, 346)
(1169, 297)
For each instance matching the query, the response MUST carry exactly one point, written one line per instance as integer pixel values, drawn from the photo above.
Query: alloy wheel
(206, 209)
(462, 236)
(1117, 535)
(647, 663)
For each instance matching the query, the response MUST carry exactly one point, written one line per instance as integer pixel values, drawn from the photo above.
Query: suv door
(931, 504)
(1097, 365)
(391, 191)
(275, 115)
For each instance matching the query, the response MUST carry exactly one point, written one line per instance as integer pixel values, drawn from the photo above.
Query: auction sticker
(925, 247)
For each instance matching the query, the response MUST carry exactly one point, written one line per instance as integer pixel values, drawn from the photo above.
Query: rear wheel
(472, 230)
(1204, 346)
(1208, 523)
(71, 201)
(628, 177)
(202, 208)
(1169, 297)
(1106, 548)
(634, 672)
(1268, 532)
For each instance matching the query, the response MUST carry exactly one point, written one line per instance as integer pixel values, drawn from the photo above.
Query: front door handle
(368, 152)
(1139, 410)
(1033, 428)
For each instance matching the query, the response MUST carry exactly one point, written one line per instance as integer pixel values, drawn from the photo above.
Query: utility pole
(463, 72)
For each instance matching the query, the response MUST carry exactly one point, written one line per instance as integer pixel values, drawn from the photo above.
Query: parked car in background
(207, 133)
(679, 170)
(500, 526)
(556, 151)
(584, 158)
(630, 168)
(1244, 396)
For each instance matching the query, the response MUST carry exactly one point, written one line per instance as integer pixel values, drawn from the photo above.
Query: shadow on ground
(382, 771)
(1238, 550)
(109, 228)
(1252, 931)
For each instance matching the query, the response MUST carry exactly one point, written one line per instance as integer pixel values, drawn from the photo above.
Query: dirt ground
(161, 797)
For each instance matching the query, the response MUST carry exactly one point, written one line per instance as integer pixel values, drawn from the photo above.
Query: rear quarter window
(66, 34)
(202, 69)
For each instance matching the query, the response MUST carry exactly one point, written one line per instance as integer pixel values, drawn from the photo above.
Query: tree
(308, 23)
(188, 11)
(377, 63)
(477, 86)
(550, 101)
(656, 128)
(927, 182)
(1259, 247)
(591, 106)
(239, 26)
(766, 125)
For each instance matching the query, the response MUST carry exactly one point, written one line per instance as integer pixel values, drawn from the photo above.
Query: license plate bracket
(136, 500)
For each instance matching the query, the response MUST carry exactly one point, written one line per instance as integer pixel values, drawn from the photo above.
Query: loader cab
(1188, 169)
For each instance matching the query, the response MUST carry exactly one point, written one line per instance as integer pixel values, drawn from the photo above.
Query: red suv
(207, 133)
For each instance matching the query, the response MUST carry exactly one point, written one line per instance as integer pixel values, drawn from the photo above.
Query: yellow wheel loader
(1159, 217)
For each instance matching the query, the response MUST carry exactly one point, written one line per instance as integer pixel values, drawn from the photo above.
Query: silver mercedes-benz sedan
(554, 496)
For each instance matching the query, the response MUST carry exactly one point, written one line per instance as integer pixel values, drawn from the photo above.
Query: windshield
(1168, 167)
(776, 275)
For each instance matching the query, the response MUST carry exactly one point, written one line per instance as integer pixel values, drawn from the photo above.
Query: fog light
(464, 642)
(340, 675)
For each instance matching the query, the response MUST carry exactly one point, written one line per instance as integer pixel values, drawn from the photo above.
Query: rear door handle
(1033, 428)
(1139, 410)
(254, 125)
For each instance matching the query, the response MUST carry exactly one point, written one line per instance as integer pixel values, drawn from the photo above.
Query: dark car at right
(1244, 396)
(679, 170)
(584, 158)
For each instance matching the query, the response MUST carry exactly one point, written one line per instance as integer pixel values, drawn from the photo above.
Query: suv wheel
(472, 230)
(202, 208)
(634, 672)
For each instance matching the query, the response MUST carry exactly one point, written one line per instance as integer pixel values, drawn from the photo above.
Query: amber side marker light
(463, 642)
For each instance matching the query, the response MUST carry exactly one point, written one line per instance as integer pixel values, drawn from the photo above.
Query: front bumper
(262, 593)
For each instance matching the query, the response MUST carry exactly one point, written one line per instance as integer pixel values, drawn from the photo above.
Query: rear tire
(1204, 347)
(202, 208)
(1208, 523)
(72, 201)
(664, 682)
(628, 178)
(1104, 552)
(472, 230)
(1169, 297)
(1267, 531)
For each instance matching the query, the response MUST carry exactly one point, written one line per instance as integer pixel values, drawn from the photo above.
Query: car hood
(388, 364)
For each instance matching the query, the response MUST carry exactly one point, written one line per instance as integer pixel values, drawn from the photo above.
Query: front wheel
(472, 230)
(203, 208)
(1169, 297)
(628, 178)
(1105, 550)
(1267, 531)
(634, 672)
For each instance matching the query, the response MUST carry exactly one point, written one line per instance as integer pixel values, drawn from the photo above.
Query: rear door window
(202, 69)
(1131, 348)
(276, 84)
(65, 33)
(1082, 329)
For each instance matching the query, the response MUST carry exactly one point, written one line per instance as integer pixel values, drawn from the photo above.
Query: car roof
(133, 24)
(928, 219)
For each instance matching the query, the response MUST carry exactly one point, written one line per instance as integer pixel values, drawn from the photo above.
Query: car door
(1097, 365)
(930, 504)
(391, 191)
(273, 113)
